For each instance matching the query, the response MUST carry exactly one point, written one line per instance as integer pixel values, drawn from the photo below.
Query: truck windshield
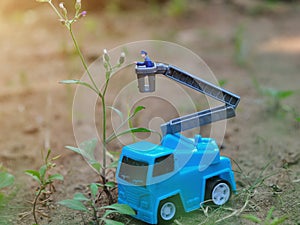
(133, 171)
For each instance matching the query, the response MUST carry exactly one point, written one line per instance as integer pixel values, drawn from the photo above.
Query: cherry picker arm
(146, 83)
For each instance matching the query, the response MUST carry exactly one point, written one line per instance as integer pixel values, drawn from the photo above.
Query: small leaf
(280, 220)
(108, 212)
(284, 94)
(97, 166)
(69, 81)
(34, 174)
(73, 204)
(129, 131)
(137, 109)
(110, 184)
(94, 190)
(112, 222)
(55, 177)
(222, 82)
(80, 197)
(74, 149)
(270, 213)
(298, 119)
(56, 157)
(6, 179)
(47, 156)
(113, 164)
(121, 208)
(251, 218)
(78, 82)
(86, 149)
(42, 172)
(120, 114)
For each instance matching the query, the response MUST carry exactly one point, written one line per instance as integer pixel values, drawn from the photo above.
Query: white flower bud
(105, 56)
(78, 5)
(61, 5)
(63, 8)
(122, 58)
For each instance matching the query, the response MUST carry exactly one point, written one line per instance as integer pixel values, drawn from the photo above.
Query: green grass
(240, 50)
(248, 206)
(274, 100)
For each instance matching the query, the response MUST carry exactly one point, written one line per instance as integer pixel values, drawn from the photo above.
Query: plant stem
(35, 203)
(55, 10)
(104, 135)
(68, 24)
(83, 60)
(102, 97)
(95, 213)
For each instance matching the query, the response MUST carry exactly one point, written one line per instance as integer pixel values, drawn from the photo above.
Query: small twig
(24, 214)
(42, 213)
(177, 222)
(205, 210)
(236, 212)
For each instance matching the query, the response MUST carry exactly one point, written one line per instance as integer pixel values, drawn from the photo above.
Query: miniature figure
(181, 173)
(147, 61)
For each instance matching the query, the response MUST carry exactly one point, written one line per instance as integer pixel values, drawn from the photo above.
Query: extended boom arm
(146, 81)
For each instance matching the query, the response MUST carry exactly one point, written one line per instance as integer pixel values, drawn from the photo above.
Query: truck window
(163, 165)
(133, 171)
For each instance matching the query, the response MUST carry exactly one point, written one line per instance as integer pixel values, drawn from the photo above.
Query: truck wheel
(219, 191)
(167, 211)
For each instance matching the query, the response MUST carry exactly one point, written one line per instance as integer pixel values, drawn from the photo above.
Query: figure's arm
(140, 63)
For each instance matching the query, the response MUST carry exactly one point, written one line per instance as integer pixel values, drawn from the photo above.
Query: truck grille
(132, 194)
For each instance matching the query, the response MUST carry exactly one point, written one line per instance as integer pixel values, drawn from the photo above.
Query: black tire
(218, 191)
(167, 211)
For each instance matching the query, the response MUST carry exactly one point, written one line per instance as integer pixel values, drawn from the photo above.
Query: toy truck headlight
(145, 202)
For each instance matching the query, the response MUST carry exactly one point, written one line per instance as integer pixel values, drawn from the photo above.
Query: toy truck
(159, 181)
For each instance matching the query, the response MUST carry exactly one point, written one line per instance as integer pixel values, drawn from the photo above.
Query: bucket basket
(146, 83)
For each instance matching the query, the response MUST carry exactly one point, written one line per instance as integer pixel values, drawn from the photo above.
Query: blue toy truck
(159, 181)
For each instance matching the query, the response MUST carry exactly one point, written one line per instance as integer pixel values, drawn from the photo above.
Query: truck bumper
(141, 214)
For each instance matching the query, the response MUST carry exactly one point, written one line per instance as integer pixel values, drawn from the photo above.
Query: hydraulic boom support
(195, 119)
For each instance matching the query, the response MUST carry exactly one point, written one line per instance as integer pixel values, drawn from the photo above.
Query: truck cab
(159, 181)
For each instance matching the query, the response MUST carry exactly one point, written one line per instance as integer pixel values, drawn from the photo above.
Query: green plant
(240, 51)
(87, 148)
(274, 99)
(90, 206)
(267, 6)
(45, 184)
(6, 180)
(268, 220)
(23, 77)
(222, 82)
(176, 8)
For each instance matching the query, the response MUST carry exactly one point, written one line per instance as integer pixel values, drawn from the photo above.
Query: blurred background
(252, 46)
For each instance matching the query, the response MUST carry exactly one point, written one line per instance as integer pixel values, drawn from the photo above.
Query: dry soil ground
(239, 46)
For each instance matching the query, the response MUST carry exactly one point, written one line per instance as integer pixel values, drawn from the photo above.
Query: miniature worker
(147, 61)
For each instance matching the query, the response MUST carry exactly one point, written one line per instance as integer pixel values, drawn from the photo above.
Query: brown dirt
(35, 113)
